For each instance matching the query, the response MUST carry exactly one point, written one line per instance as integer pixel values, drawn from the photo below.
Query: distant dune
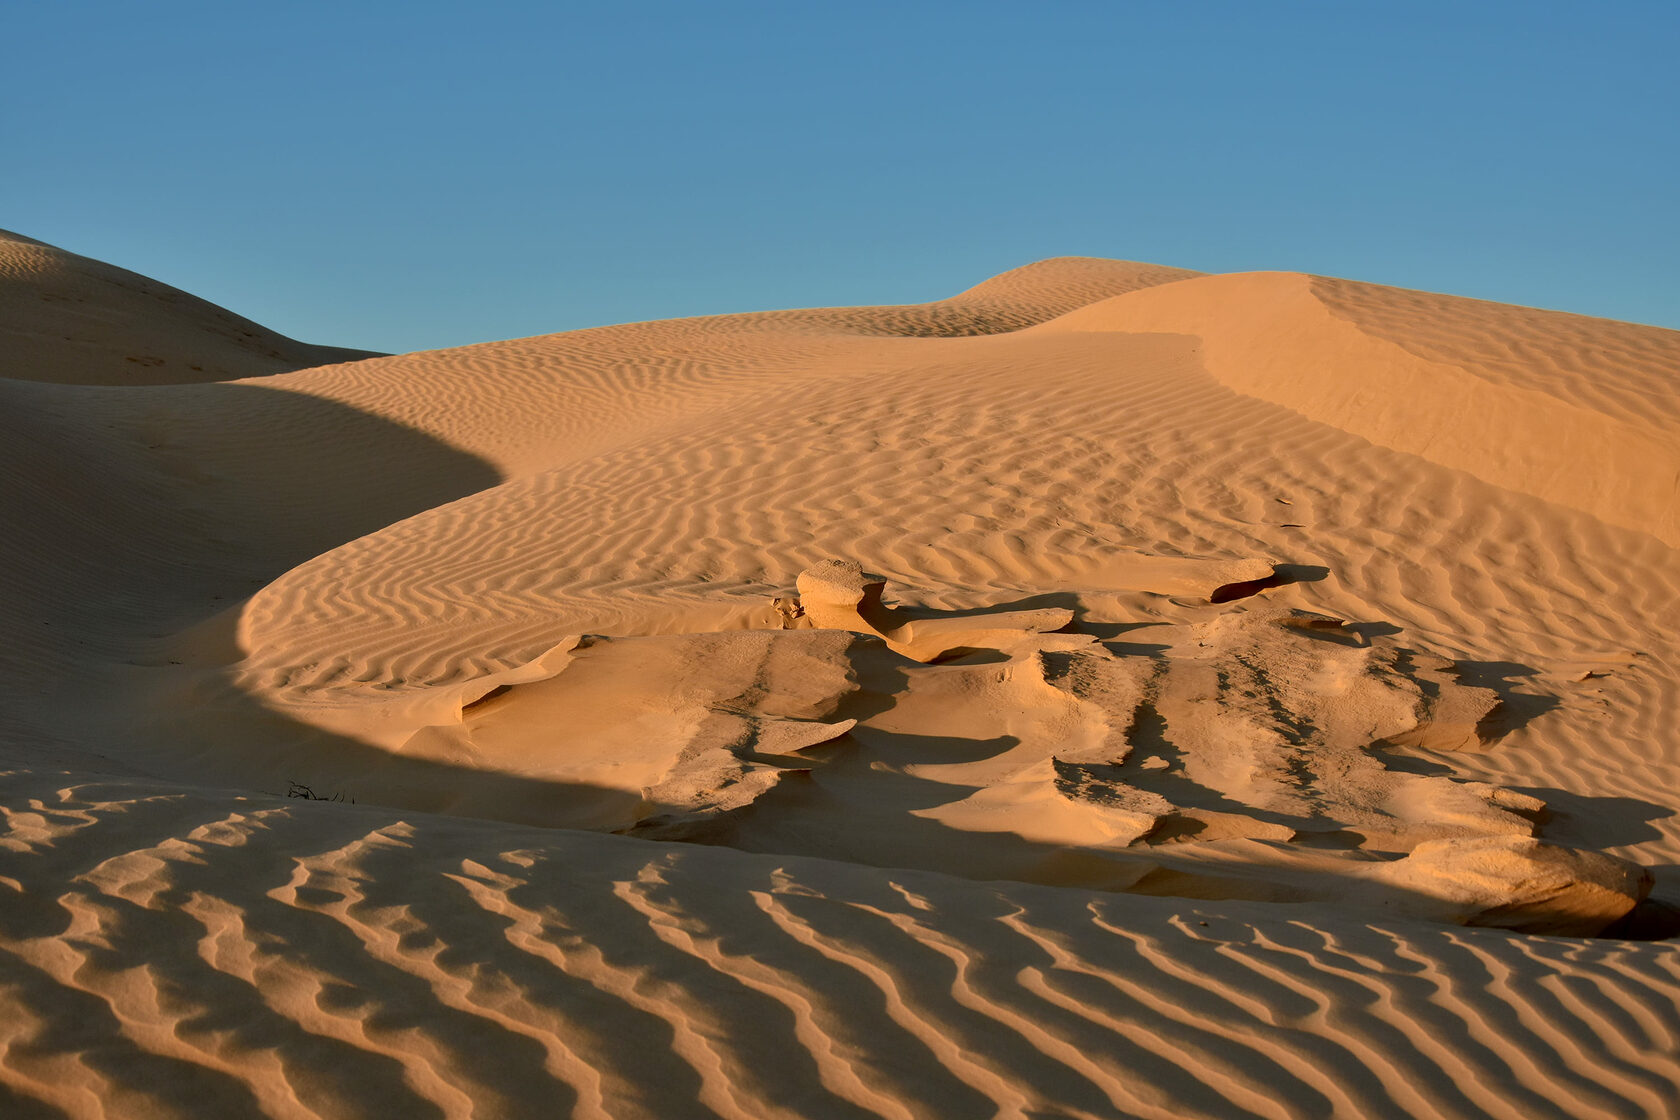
(1112, 691)
(69, 319)
(1582, 412)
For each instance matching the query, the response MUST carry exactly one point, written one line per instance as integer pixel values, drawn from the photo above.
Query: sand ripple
(265, 957)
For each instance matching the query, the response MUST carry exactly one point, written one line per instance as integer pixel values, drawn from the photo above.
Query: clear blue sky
(418, 174)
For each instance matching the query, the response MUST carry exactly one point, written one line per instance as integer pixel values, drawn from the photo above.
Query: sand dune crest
(68, 319)
(1539, 424)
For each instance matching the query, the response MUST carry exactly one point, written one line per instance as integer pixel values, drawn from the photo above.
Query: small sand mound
(658, 735)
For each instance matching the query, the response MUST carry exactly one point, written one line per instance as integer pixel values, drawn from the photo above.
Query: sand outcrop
(650, 734)
(1261, 725)
(1258, 753)
(838, 595)
(1520, 883)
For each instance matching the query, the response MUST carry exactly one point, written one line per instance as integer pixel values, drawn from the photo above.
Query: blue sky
(411, 175)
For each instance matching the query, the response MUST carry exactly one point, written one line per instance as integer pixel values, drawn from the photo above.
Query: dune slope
(1579, 411)
(1110, 691)
(70, 319)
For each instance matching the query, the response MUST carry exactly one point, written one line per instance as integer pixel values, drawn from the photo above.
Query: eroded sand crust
(1110, 691)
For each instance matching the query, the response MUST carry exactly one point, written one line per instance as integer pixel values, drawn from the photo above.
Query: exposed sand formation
(1111, 691)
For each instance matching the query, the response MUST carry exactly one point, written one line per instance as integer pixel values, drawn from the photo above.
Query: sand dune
(69, 319)
(1110, 691)
(1581, 412)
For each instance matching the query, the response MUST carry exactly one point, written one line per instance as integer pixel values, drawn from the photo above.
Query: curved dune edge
(1009, 301)
(69, 319)
(1269, 334)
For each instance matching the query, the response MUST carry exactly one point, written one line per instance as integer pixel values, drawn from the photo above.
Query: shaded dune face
(1110, 691)
(138, 520)
(67, 319)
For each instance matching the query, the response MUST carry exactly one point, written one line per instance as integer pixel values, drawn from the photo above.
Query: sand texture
(1111, 691)
(66, 318)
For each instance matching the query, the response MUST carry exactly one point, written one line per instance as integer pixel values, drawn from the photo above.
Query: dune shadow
(1082, 623)
(1653, 919)
(1067, 600)
(1516, 708)
(298, 475)
(1286, 574)
(1282, 576)
(1369, 630)
(1628, 818)
(165, 505)
(1148, 737)
(882, 675)
(230, 736)
(1399, 760)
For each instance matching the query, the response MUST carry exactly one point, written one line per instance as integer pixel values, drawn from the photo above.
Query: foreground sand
(1240, 637)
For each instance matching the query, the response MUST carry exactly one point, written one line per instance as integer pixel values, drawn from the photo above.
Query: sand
(67, 318)
(1111, 691)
